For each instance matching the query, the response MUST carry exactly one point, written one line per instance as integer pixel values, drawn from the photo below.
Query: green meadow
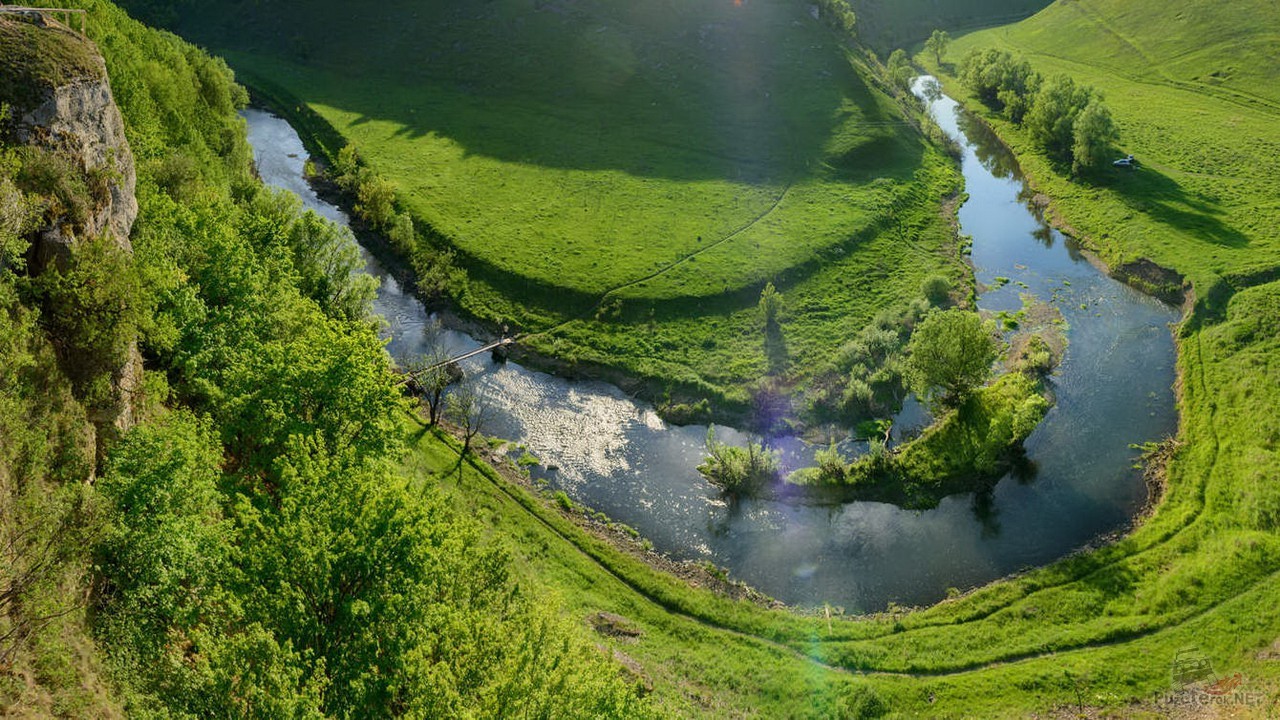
(657, 163)
(1196, 100)
(1097, 633)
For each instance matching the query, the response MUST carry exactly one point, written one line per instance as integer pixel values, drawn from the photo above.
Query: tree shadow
(750, 93)
(986, 512)
(775, 348)
(988, 147)
(1150, 192)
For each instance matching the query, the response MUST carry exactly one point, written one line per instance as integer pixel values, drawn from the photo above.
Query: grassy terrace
(1196, 100)
(658, 164)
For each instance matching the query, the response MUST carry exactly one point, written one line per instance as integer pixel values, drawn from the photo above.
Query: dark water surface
(615, 454)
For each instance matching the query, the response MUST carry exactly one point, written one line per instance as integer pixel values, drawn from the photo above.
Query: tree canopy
(950, 354)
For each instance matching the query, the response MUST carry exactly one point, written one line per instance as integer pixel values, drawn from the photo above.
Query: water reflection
(615, 454)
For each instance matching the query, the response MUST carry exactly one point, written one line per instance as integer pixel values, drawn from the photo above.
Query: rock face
(82, 120)
(75, 116)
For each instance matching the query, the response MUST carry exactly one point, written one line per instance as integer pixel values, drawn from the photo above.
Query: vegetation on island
(977, 433)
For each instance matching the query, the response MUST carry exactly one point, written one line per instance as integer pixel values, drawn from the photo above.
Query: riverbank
(1019, 633)
(701, 355)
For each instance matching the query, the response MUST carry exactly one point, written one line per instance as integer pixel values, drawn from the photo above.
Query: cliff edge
(63, 119)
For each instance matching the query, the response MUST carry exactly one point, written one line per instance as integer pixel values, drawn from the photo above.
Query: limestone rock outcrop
(60, 101)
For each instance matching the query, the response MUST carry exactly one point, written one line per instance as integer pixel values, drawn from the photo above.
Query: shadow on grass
(1144, 190)
(775, 348)
(693, 91)
(1163, 199)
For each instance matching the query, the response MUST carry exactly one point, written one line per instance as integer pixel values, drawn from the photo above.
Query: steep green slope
(599, 164)
(246, 549)
(889, 24)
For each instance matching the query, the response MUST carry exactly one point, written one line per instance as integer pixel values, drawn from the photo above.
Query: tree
(330, 267)
(1051, 120)
(1094, 132)
(899, 67)
(950, 353)
(937, 44)
(469, 411)
(838, 15)
(1000, 81)
(770, 305)
(430, 370)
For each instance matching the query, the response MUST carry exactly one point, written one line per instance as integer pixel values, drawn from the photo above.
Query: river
(613, 453)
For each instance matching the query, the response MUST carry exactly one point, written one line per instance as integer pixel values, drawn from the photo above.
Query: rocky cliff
(60, 106)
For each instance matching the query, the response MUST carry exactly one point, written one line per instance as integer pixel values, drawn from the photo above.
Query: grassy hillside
(889, 24)
(600, 163)
(1193, 89)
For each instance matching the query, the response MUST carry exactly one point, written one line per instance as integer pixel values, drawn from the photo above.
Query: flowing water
(615, 454)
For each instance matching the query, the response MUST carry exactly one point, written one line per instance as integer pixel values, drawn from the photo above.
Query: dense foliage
(950, 354)
(256, 552)
(738, 471)
(1067, 120)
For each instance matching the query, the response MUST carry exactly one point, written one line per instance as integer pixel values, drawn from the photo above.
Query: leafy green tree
(1094, 132)
(937, 44)
(838, 14)
(899, 68)
(1000, 81)
(770, 305)
(950, 354)
(1051, 120)
(331, 267)
(317, 376)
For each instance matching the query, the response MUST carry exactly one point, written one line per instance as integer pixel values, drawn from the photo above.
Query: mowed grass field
(660, 160)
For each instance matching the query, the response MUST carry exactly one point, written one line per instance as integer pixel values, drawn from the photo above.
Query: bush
(937, 289)
(738, 471)
(831, 465)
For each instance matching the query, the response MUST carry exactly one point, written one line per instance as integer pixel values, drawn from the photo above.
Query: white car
(1129, 161)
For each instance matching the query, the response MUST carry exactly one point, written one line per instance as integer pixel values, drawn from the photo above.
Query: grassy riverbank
(656, 168)
(1103, 629)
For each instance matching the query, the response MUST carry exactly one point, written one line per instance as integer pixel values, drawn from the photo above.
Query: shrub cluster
(1069, 121)
(435, 267)
(738, 471)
